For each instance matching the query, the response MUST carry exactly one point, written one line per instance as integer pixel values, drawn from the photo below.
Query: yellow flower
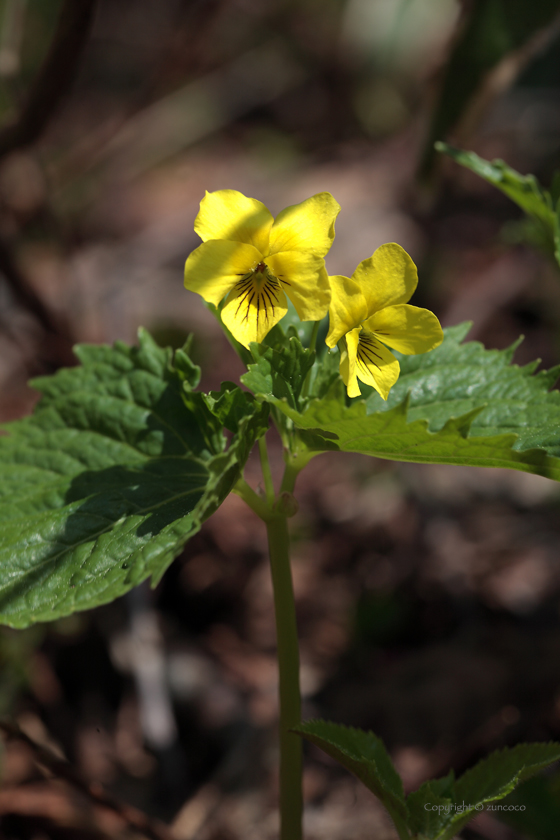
(370, 308)
(257, 260)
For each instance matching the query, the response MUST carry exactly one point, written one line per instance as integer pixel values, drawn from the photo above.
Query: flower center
(258, 289)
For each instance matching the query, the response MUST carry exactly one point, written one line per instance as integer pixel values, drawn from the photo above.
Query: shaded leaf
(524, 190)
(497, 774)
(104, 484)
(364, 754)
(440, 808)
(431, 807)
(494, 777)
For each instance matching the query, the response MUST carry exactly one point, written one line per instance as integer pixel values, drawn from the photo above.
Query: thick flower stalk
(256, 260)
(370, 310)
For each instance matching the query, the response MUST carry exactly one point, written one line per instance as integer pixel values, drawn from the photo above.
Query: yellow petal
(406, 328)
(375, 365)
(304, 279)
(214, 268)
(348, 363)
(386, 278)
(228, 214)
(347, 310)
(253, 307)
(308, 226)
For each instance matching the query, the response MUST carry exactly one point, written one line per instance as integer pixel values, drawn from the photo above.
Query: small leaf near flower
(256, 260)
(370, 310)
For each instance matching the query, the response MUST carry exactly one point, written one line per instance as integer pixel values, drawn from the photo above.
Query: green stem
(289, 478)
(291, 799)
(314, 332)
(266, 471)
(400, 825)
(312, 343)
(255, 502)
(294, 462)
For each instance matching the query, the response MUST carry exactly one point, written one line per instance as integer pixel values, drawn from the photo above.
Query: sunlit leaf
(459, 404)
(280, 371)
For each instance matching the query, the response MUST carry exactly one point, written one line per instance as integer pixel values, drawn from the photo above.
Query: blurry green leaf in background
(491, 30)
(542, 207)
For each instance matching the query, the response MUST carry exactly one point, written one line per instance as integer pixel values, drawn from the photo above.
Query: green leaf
(185, 367)
(364, 754)
(440, 808)
(542, 226)
(524, 190)
(493, 29)
(495, 777)
(459, 404)
(104, 484)
(324, 374)
(279, 372)
(431, 807)
(230, 405)
(456, 379)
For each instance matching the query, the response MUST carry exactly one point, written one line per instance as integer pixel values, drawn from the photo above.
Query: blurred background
(428, 597)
